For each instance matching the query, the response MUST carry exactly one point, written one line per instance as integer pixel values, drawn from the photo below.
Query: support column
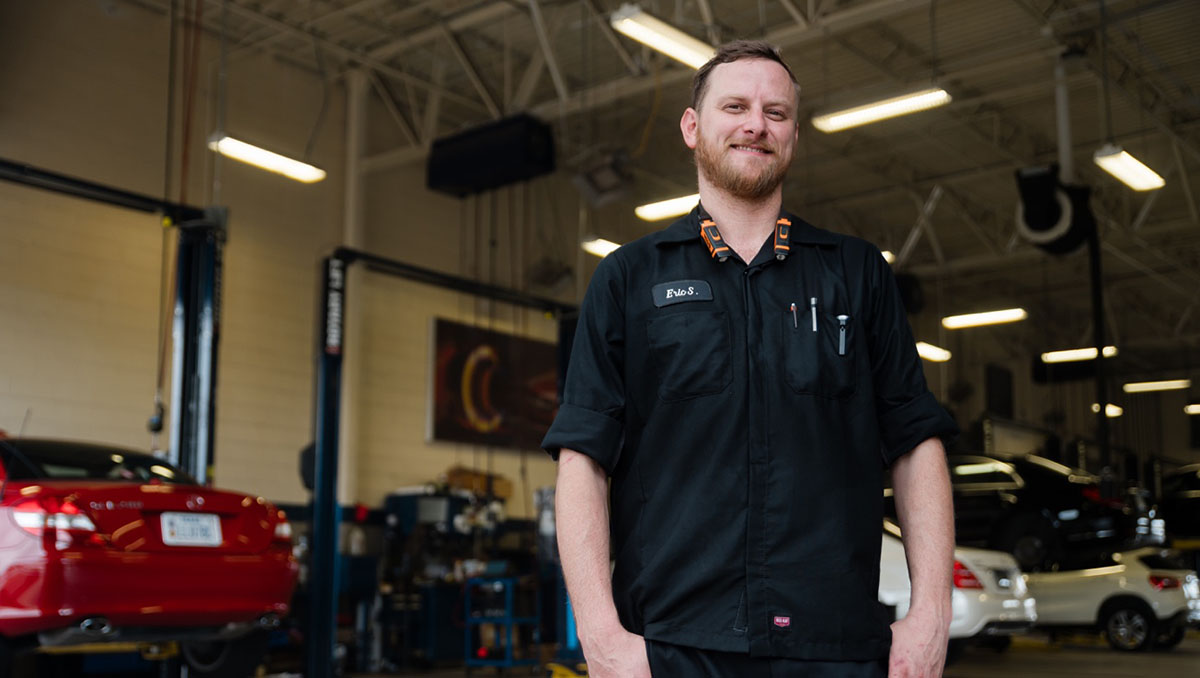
(354, 237)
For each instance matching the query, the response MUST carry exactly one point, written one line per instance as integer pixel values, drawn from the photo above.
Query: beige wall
(84, 94)
(84, 88)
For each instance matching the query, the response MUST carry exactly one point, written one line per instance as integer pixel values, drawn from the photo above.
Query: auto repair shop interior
(287, 288)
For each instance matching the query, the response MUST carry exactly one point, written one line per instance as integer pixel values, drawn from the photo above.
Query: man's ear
(688, 124)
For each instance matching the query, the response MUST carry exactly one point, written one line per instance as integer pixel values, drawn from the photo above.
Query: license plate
(191, 529)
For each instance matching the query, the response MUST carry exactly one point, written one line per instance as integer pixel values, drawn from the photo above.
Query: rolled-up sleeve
(907, 412)
(590, 418)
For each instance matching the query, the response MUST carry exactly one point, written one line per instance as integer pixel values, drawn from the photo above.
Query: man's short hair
(736, 51)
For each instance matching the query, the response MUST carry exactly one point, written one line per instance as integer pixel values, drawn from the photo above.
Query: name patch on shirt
(783, 622)
(680, 291)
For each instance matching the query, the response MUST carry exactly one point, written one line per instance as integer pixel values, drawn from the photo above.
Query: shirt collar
(688, 228)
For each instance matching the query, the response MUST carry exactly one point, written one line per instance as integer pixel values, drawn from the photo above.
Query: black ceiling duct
(1051, 215)
(490, 156)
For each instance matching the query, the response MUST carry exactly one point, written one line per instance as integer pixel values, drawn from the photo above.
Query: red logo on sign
(783, 622)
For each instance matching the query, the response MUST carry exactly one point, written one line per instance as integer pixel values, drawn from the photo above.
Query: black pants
(677, 661)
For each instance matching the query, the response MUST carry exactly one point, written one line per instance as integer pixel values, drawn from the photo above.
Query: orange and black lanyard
(721, 251)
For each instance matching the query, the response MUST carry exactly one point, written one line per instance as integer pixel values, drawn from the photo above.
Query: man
(743, 378)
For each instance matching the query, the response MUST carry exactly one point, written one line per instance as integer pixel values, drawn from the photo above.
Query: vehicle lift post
(322, 582)
(197, 313)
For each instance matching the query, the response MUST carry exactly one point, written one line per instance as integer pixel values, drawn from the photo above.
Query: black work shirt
(746, 450)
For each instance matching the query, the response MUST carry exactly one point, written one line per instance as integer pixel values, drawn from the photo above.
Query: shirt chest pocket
(690, 352)
(819, 354)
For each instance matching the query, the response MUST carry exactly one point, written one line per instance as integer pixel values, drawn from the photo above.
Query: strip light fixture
(657, 34)
(913, 102)
(888, 256)
(1008, 315)
(934, 354)
(268, 160)
(1192, 409)
(599, 246)
(1076, 354)
(1129, 170)
(1148, 386)
(1110, 410)
(665, 209)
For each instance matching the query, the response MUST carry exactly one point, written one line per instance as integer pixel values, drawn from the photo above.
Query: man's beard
(721, 172)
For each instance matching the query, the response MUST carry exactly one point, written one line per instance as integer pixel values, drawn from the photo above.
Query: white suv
(1140, 599)
(989, 599)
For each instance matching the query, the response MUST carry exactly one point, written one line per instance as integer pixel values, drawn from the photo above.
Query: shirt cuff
(912, 423)
(592, 433)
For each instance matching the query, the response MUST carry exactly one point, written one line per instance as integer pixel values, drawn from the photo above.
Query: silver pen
(814, 313)
(842, 334)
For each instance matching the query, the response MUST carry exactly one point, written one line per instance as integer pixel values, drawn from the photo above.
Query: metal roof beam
(389, 103)
(799, 18)
(610, 35)
(469, 68)
(344, 52)
(539, 27)
(489, 13)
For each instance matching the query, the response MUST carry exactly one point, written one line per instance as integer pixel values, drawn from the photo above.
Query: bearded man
(744, 379)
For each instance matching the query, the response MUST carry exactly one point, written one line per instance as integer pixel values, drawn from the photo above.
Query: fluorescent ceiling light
(1119, 163)
(1111, 411)
(667, 208)
(934, 354)
(1008, 315)
(835, 121)
(662, 36)
(1192, 409)
(260, 157)
(1076, 354)
(1147, 386)
(599, 247)
(982, 467)
(889, 257)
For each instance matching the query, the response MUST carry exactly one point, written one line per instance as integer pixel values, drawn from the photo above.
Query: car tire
(1128, 625)
(1167, 639)
(995, 643)
(955, 649)
(233, 658)
(1031, 540)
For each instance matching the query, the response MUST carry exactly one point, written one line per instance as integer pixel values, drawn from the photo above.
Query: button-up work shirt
(745, 414)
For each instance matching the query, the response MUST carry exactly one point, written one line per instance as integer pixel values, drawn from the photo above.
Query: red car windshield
(67, 460)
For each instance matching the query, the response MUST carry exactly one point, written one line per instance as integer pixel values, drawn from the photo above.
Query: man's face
(745, 131)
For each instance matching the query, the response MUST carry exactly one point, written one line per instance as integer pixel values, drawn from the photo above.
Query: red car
(100, 544)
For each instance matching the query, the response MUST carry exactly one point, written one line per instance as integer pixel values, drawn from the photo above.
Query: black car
(1180, 503)
(1046, 514)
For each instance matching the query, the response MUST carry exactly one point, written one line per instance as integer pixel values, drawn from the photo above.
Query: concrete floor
(1029, 657)
(1077, 657)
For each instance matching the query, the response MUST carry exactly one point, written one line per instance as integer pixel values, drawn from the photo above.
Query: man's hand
(918, 647)
(617, 654)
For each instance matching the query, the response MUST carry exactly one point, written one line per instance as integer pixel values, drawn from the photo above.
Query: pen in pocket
(814, 313)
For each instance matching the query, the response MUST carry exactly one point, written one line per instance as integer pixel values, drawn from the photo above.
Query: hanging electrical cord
(1104, 73)
(155, 424)
(312, 137)
(654, 106)
(191, 66)
(222, 88)
(933, 48)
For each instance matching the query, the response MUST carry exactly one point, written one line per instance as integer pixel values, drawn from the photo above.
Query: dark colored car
(1180, 504)
(1044, 513)
(101, 544)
